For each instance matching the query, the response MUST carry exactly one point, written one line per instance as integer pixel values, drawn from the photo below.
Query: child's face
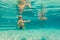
(20, 18)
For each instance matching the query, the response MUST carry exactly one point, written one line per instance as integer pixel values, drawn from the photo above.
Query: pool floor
(39, 34)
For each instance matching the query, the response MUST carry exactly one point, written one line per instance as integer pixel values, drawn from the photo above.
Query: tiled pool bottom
(40, 34)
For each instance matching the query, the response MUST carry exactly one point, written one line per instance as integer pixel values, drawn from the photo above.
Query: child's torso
(21, 22)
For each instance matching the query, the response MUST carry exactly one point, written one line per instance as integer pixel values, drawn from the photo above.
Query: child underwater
(21, 22)
(22, 3)
(41, 15)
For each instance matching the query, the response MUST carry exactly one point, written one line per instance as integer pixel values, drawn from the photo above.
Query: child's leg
(23, 27)
(21, 8)
(20, 27)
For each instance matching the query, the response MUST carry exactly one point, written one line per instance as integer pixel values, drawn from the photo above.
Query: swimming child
(41, 15)
(22, 3)
(21, 23)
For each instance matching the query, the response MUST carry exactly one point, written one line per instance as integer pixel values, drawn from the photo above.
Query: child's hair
(20, 17)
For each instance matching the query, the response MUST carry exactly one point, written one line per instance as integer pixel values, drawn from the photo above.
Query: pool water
(34, 30)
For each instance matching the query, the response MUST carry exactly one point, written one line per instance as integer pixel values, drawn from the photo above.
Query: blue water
(9, 12)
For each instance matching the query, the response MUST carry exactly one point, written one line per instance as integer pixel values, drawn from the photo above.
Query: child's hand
(29, 20)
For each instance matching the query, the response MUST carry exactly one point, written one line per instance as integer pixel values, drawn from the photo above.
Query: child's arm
(27, 21)
(18, 21)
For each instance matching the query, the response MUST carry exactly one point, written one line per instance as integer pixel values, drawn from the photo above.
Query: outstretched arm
(27, 21)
